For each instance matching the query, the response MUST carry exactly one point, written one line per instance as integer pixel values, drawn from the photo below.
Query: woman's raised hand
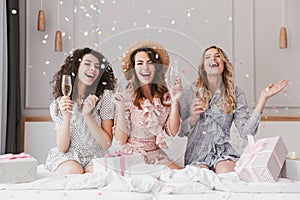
(89, 104)
(118, 99)
(273, 89)
(65, 105)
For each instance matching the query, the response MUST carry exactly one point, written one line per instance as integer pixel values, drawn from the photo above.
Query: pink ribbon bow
(11, 156)
(114, 154)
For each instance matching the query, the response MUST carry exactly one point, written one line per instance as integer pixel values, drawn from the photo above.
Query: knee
(224, 166)
(202, 166)
(75, 170)
(69, 167)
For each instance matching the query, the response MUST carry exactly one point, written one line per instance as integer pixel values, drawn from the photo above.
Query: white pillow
(176, 149)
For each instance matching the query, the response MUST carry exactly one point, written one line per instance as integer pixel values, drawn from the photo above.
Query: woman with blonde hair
(208, 108)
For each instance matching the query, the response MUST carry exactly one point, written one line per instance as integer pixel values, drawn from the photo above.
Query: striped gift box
(116, 161)
(291, 169)
(262, 160)
(20, 168)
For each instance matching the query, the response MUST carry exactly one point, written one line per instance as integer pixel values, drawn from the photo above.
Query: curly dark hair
(158, 86)
(105, 80)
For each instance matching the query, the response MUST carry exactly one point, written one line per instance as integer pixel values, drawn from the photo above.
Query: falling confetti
(14, 11)
(47, 62)
(173, 22)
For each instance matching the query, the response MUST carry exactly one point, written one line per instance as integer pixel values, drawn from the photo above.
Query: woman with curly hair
(147, 109)
(84, 121)
(209, 106)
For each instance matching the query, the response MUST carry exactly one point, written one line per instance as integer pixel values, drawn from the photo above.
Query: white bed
(148, 182)
(155, 183)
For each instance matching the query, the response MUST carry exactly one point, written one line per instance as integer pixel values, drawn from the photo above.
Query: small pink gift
(262, 160)
(117, 161)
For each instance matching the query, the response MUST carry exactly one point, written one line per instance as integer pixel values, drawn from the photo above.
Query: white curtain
(3, 75)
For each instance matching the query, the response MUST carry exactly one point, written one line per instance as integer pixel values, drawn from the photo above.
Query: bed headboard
(38, 136)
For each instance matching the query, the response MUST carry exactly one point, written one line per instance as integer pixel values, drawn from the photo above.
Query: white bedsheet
(148, 182)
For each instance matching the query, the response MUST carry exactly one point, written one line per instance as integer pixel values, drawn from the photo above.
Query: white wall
(247, 30)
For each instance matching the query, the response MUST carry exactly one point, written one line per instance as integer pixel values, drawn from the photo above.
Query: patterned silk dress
(208, 140)
(147, 127)
(83, 147)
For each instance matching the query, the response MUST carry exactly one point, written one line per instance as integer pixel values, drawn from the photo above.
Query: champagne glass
(199, 93)
(66, 85)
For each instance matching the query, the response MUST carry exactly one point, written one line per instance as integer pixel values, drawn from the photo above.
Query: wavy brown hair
(105, 79)
(157, 87)
(228, 97)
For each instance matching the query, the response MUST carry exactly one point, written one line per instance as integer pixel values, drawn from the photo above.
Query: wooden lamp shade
(41, 21)
(58, 41)
(283, 38)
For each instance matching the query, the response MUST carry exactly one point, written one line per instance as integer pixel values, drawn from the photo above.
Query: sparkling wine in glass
(199, 93)
(66, 85)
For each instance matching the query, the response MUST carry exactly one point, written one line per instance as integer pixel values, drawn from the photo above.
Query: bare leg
(202, 166)
(172, 165)
(89, 169)
(69, 167)
(225, 166)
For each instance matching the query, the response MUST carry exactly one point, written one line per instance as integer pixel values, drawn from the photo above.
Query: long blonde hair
(228, 97)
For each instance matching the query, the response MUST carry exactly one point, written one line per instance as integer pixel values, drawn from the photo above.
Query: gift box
(117, 161)
(291, 169)
(262, 160)
(20, 168)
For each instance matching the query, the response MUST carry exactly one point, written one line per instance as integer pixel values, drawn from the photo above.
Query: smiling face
(144, 68)
(213, 63)
(88, 70)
